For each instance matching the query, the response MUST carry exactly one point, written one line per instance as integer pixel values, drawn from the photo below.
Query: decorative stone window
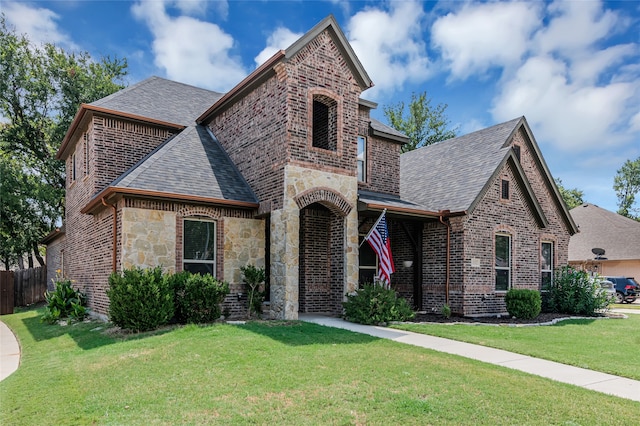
(199, 246)
(325, 123)
(546, 265)
(503, 261)
(504, 190)
(362, 159)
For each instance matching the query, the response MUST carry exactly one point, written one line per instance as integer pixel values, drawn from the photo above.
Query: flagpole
(373, 227)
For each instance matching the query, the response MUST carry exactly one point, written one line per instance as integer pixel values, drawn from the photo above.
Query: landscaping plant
(253, 278)
(64, 302)
(200, 300)
(574, 292)
(373, 304)
(140, 299)
(523, 303)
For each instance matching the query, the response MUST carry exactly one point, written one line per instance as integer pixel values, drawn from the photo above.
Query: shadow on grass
(87, 335)
(299, 333)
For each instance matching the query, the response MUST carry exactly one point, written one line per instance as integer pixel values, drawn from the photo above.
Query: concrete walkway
(601, 382)
(9, 352)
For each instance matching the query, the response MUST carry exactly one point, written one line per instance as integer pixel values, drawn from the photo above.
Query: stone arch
(327, 197)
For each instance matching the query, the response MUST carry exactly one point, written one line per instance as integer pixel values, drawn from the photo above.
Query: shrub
(574, 292)
(253, 277)
(177, 283)
(64, 302)
(140, 299)
(373, 304)
(201, 299)
(446, 311)
(523, 303)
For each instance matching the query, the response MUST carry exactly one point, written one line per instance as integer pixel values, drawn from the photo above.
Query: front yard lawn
(272, 373)
(606, 345)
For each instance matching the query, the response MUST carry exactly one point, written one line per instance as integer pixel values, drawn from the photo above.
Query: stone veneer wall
(285, 237)
(244, 244)
(148, 239)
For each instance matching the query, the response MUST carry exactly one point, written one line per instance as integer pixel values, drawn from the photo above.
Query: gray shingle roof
(161, 99)
(192, 164)
(451, 174)
(386, 200)
(619, 236)
(382, 129)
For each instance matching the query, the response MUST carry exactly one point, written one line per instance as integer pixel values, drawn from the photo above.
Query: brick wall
(383, 165)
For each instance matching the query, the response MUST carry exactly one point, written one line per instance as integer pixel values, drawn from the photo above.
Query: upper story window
(73, 167)
(362, 158)
(504, 193)
(325, 123)
(503, 262)
(546, 264)
(516, 150)
(86, 154)
(199, 246)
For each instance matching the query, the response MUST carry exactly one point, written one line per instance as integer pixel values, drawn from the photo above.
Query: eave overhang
(111, 193)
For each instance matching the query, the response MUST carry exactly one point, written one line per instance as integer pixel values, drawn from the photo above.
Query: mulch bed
(543, 318)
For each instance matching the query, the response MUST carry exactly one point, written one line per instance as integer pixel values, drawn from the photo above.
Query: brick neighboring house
(617, 235)
(289, 171)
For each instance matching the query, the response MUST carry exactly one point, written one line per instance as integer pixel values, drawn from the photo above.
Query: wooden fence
(22, 287)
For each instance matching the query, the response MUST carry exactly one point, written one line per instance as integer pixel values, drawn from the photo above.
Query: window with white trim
(368, 263)
(362, 158)
(546, 265)
(199, 246)
(503, 261)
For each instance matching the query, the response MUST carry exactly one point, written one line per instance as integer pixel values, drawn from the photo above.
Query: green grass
(625, 306)
(273, 373)
(606, 345)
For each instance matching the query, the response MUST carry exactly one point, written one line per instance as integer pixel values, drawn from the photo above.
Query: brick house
(289, 171)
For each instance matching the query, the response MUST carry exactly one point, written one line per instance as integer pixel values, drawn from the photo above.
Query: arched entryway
(322, 251)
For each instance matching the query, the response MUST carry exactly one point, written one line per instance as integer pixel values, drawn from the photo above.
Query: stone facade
(148, 239)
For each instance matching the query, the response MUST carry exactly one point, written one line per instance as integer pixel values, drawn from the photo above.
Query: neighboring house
(289, 171)
(617, 235)
(55, 242)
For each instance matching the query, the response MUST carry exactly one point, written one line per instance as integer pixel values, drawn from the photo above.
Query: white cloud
(280, 39)
(39, 24)
(185, 53)
(390, 45)
(484, 35)
(577, 96)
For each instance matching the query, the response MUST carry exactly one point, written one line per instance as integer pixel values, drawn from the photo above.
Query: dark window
(73, 167)
(362, 158)
(368, 263)
(546, 267)
(505, 189)
(503, 262)
(516, 149)
(199, 246)
(325, 125)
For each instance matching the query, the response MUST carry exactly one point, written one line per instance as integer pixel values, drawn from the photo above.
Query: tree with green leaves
(626, 183)
(572, 197)
(41, 89)
(423, 123)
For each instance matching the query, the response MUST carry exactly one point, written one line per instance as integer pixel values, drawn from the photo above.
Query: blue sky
(571, 67)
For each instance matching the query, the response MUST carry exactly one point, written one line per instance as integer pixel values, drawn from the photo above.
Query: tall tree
(423, 123)
(626, 183)
(41, 88)
(572, 197)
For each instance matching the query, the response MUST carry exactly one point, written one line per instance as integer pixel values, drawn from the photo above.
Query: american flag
(378, 239)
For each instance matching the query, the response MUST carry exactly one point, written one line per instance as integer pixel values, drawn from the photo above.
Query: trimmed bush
(64, 302)
(140, 299)
(373, 304)
(177, 283)
(523, 303)
(200, 301)
(574, 292)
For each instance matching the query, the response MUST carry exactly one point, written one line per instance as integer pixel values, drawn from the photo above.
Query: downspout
(115, 232)
(446, 285)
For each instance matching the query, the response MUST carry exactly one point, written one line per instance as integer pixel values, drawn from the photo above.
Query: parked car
(609, 288)
(627, 289)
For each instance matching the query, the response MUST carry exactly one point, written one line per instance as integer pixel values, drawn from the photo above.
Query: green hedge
(523, 303)
(199, 301)
(574, 292)
(140, 299)
(373, 304)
